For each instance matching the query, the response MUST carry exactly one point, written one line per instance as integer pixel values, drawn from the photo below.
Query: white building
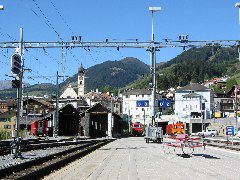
(69, 93)
(193, 100)
(130, 107)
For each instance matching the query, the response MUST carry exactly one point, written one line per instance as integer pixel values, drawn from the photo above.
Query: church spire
(81, 69)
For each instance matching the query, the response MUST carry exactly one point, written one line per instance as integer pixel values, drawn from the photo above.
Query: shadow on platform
(206, 156)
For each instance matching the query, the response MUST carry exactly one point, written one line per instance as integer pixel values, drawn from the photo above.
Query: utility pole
(111, 116)
(153, 67)
(56, 119)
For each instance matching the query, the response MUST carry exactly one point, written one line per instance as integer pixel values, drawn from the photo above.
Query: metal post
(238, 51)
(129, 124)
(57, 108)
(16, 143)
(153, 60)
(144, 117)
(111, 116)
(236, 107)
(201, 111)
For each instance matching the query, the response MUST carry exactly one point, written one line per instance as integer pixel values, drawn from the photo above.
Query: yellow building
(7, 121)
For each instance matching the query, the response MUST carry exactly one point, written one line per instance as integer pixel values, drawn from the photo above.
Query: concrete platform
(131, 158)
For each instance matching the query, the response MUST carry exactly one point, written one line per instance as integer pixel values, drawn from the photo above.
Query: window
(7, 126)
(80, 83)
(142, 95)
(5, 119)
(127, 96)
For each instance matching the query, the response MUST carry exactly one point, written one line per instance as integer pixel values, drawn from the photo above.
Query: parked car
(207, 133)
(238, 134)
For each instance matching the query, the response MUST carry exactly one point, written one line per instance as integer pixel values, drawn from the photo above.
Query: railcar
(39, 128)
(137, 129)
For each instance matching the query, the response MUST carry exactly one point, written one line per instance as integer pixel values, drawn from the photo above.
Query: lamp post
(237, 5)
(153, 60)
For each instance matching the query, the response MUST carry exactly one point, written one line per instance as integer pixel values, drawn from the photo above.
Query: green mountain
(105, 76)
(195, 65)
(116, 74)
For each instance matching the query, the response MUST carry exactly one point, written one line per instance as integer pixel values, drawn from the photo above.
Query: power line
(62, 17)
(47, 21)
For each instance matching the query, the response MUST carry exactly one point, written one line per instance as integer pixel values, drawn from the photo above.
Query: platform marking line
(223, 150)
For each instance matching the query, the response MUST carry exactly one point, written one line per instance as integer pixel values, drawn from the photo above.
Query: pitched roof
(41, 101)
(194, 87)
(137, 92)
(190, 95)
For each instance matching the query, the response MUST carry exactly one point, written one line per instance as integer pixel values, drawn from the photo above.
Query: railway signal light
(16, 64)
(15, 83)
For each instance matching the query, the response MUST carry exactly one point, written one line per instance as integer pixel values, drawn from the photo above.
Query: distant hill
(195, 65)
(115, 74)
(36, 90)
(5, 84)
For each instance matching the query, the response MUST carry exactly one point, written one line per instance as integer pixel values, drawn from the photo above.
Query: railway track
(27, 145)
(235, 145)
(42, 166)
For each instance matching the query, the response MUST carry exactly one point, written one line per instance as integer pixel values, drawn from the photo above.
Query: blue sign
(164, 103)
(142, 103)
(230, 130)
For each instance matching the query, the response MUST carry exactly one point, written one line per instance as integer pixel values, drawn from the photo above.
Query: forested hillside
(195, 65)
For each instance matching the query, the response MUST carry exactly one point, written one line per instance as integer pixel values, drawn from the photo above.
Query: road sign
(230, 130)
(165, 103)
(143, 103)
(16, 64)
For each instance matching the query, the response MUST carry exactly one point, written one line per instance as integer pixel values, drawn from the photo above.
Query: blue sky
(97, 20)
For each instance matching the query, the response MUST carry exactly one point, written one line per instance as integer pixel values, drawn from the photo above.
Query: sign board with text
(165, 103)
(142, 103)
(230, 130)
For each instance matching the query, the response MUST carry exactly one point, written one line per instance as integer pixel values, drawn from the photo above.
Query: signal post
(17, 71)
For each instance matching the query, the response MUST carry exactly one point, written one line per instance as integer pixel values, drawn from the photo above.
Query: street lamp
(153, 68)
(1, 7)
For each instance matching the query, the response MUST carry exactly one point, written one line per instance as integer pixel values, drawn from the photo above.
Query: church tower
(81, 81)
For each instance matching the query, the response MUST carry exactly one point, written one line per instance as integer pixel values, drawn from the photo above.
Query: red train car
(137, 129)
(39, 128)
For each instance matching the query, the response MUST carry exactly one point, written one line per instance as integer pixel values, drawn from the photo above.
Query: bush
(5, 135)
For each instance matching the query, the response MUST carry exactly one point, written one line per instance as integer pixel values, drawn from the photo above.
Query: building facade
(194, 100)
(142, 113)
